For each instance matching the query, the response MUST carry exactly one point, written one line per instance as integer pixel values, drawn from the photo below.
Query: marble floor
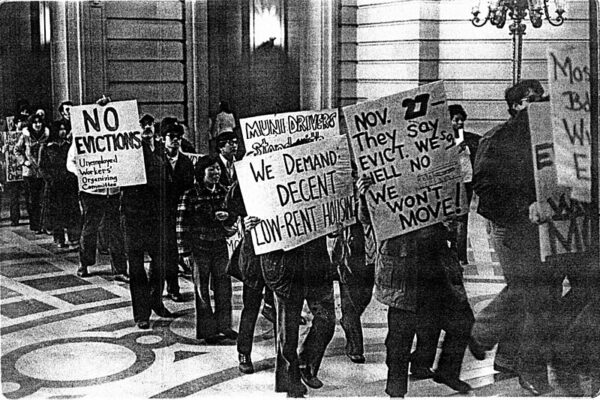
(66, 337)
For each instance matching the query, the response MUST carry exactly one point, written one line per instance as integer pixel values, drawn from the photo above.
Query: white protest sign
(234, 240)
(194, 157)
(108, 145)
(300, 193)
(405, 142)
(266, 133)
(569, 230)
(569, 78)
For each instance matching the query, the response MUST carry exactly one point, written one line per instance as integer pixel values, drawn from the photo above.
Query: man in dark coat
(180, 177)
(227, 146)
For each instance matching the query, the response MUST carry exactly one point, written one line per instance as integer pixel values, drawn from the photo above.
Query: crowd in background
(182, 217)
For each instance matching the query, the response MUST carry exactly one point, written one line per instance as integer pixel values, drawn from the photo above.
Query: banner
(108, 145)
(569, 78)
(570, 228)
(13, 163)
(267, 133)
(300, 193)
(405, 142)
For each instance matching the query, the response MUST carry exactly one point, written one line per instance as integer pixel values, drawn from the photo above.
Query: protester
(186, 145)
(354, 253)
(99, 205)
(64, 110)
(62, 204)
(469, 144)
(418, 276)
(202, 226)
(35, 134)
(15, 188)
(180, 177)
(519, 316)
(145, 225)
(227, 146)
(224, 122)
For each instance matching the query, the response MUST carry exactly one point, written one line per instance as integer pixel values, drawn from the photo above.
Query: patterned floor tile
(25, 307)
(55, 282)
(87, 296)
(28, 269)
(6, 293)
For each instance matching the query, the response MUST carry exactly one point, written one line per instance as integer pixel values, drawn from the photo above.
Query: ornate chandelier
(497, 11)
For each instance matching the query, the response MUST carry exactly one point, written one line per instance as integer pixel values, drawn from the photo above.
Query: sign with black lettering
(108, 145)
(405, 142)
(569, 78)
(300, 193)
(234, 240)
(266, 133)
(13, 163)
(570, 228)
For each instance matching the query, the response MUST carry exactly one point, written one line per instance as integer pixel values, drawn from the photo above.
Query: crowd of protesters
(182, 217)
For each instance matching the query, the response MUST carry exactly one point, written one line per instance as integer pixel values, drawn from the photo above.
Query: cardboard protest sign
(570, 228)
(13, 163)
(405, 142)
(108, 145)
(266, 133)
(569, 78)
(234, 241)
(300, 193)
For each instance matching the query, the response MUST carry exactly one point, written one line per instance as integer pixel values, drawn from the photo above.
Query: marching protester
(99, 205)
(34, 135)
(180, 177)
(144, 219)
(518, 318)
(227, 146)
(15, 188)
(62, 203)
(354, 254)
(202, 227)
(418, 276)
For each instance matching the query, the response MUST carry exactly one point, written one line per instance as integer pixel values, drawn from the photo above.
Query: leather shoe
(309, 379)
(421, 373)
(245, 366)
(143, 325)
(477, 349)
(176, 297)
(230, 334)
(82, 272)
(356, 358)
(121, 278)
(453, 383)
(164, 313)
(298, 390)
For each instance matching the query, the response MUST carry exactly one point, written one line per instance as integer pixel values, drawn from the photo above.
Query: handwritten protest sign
(234, 241)
(569, 78)
(108, 145)
(570, 228)
(266, 133)
(406, 144)
(300, 193)
(14, 169)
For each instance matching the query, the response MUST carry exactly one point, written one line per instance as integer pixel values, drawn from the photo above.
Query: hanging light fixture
(497, 12)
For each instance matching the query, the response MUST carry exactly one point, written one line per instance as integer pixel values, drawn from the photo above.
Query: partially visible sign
(300, 193)
(266, 133)
(569, 78)
(570, 228)
(234, 241)
(108, 145)
(14, 164)
(193, 156)
(405, 142)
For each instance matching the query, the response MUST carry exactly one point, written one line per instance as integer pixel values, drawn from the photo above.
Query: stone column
(59, 54)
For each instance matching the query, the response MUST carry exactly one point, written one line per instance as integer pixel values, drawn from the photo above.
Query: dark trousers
(34, 189)
(320, 300)
(172, 259)
(211, 262)
(95, 208)
(252, 298)
(402, 326)
(146, 288)
(14, 190)
(355, 296)
(520, 317)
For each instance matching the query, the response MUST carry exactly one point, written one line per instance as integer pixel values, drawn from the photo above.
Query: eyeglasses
(232, 141)
(174, 137)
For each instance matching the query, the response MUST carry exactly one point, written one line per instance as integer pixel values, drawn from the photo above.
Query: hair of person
(223, 138)
(23, 105)
(62, 105)
(520, 90)
(55, 128)
(201, 165)
(457, 109)
(21, 118)
(171, 128)
(224, 106)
